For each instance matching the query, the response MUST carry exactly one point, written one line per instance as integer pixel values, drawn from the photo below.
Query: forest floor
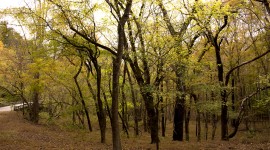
(17, 133)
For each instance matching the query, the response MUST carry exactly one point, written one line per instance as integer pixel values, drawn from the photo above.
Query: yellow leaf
(1, 45)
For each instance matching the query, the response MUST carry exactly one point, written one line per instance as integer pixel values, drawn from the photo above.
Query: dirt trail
(6, 108)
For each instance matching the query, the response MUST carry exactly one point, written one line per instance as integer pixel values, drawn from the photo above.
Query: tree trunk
(97, 97)
(233, 101)
(124, 119)
(224, 117)
(187, 118)
(107, 106)
(206, 125)
(163, 123)
(100, 111)
(198, 125)
(198, 118)
(145, 122)
(116, 73)
(81, 96)
(214, 125)
(179, 115)
(34, 113)
(223, 93)
(115, 94)
(179, 109)
(152, 115)
(136, 126)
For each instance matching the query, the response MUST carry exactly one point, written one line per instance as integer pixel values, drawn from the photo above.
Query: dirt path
(6, 108)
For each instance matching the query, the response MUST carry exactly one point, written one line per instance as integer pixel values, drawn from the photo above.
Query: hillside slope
(17, 133)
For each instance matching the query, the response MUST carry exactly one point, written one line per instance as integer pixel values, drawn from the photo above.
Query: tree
(214, 25)
(182, 54)
(122, 19)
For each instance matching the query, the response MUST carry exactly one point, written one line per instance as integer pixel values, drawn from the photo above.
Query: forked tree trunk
(143, 79)
(97, 97)
(116, 72)
(81, 96)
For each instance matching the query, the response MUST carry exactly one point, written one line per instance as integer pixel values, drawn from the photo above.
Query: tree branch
(244, 63)
(166, 18)
(266, 5)
(241, 111)
(78, 32)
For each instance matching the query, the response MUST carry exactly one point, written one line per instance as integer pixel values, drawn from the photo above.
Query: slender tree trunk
(136, 125)
(214, 118)
(101, 113)
(124, 126)
(214, 125)
(116, 73)
(107, 106)
(82, 98)
(224, 117)
(198, 119)
(187, 118)
(223, 94)
(34, 114)
(163, 123)
(97, 97)
(206, 125)
(124, 103)
(198, 125)
(233, 100)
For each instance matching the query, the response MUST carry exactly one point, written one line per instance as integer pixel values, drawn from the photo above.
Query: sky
(11, 3)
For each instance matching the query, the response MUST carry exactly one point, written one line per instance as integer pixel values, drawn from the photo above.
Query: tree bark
(187, 118)
(179, 110)
(136, 128)
(152, 116)
(81, 96)
(163, 123)
(143, 79)
(179, 113)
(98, 102)
(116, 73)
(34, 113)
